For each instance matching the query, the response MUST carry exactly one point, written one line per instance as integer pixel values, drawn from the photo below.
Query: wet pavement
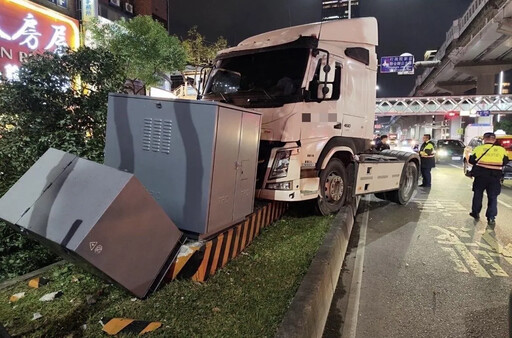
(426, 269)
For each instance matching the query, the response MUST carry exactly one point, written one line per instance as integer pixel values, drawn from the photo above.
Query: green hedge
(59, 101)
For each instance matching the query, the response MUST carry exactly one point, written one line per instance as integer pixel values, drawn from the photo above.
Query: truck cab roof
(360, 31)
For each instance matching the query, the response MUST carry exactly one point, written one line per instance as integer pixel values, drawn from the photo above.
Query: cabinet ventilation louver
(157, 135)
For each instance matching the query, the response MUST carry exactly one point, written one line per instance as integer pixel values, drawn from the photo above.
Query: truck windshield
(265, 79)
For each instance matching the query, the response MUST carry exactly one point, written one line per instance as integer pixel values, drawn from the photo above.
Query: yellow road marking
(462, 233)
(449, 237)
(471, 261)
(494, 267)
(459, 265)
(495, 245)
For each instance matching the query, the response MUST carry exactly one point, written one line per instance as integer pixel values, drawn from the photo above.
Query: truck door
(354, 100)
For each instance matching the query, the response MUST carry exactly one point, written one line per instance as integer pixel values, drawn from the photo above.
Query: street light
(500, 89)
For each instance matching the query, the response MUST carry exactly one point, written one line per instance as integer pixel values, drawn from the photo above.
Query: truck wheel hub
(333, 187)
(409, 180)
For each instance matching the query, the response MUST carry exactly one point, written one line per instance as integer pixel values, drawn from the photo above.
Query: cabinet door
(224, 169)
(247, 165)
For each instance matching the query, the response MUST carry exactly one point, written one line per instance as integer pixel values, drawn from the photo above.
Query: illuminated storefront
(27, 28)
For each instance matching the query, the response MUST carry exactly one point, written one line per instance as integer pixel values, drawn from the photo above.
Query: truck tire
(408, 184)
(333, 187)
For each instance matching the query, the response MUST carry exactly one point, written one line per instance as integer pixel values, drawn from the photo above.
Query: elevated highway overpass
(478, 46)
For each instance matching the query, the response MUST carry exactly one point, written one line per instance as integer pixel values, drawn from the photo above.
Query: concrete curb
(307, 314)
(29, 275)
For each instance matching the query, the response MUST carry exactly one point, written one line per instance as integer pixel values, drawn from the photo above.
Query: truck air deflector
(308, 42)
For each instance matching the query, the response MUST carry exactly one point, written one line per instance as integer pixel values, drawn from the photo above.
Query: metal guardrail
(440, 105)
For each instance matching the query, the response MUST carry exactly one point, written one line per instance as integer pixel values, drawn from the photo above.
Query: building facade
(66, 7)
(109, 9)
(27, 28)
(339, 9)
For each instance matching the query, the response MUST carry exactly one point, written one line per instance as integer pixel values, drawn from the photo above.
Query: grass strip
(247, 298)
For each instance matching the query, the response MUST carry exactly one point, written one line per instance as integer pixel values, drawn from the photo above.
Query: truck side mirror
(325, 80)
(324, 91)
(204, 75)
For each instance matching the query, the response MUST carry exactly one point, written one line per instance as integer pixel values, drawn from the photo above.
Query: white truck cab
(315, 86)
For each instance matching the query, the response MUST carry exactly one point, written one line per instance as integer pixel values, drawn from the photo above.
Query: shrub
(58, 100)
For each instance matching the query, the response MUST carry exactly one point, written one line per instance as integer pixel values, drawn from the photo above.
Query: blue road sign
(483, 112)
(397, 64)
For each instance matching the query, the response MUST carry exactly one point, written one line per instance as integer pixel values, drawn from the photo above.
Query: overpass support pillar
(485, 84)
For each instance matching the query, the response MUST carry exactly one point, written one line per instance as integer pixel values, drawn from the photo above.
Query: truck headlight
(280, 186)
(281, 164)
(442, 153)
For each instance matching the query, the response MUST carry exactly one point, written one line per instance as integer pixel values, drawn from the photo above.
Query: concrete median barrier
(307, 314)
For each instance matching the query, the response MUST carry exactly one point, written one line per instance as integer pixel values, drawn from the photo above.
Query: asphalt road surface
(426, 269)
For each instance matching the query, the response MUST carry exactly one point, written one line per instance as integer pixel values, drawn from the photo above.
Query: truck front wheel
(333, 187)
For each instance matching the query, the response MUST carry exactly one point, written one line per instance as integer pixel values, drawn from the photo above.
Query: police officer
(382, 143)
(487, 173)
(428, 161)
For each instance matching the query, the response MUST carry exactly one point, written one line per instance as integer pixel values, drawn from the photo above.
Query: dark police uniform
(380, 146)
(487, 173)
(428, 162)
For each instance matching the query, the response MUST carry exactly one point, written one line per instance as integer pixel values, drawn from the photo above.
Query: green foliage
(144, 46)
(246, 298)
(199, 51)
(505, 124)
(58, 101)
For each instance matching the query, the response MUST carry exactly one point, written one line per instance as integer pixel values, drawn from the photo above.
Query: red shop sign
(27, 28)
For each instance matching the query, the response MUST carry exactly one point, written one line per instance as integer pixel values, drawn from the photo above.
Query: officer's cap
(489, 135)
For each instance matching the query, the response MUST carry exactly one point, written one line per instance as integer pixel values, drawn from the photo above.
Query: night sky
(404, 25)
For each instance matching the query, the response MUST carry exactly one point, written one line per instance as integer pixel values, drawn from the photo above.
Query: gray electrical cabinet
(99, 217)
(197, 158)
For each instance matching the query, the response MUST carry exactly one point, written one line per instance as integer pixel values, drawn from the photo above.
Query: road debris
(36, 316)
(51, 296)
(16, 297)
(38, 282)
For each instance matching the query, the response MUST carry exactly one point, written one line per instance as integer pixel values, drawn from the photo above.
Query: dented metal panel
(97, 216)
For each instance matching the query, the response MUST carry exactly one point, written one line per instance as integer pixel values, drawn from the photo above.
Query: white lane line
(505, 204)
(456, 166)
(350, 325)
(501, 202)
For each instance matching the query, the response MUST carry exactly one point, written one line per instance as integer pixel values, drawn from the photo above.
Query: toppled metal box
(197, 158)
(96, 216)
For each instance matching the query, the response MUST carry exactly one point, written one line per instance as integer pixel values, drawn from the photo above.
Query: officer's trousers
(427, 177)
(492, 185)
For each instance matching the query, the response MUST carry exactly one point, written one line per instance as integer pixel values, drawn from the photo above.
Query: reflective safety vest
(493, 159)
(428, 146)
